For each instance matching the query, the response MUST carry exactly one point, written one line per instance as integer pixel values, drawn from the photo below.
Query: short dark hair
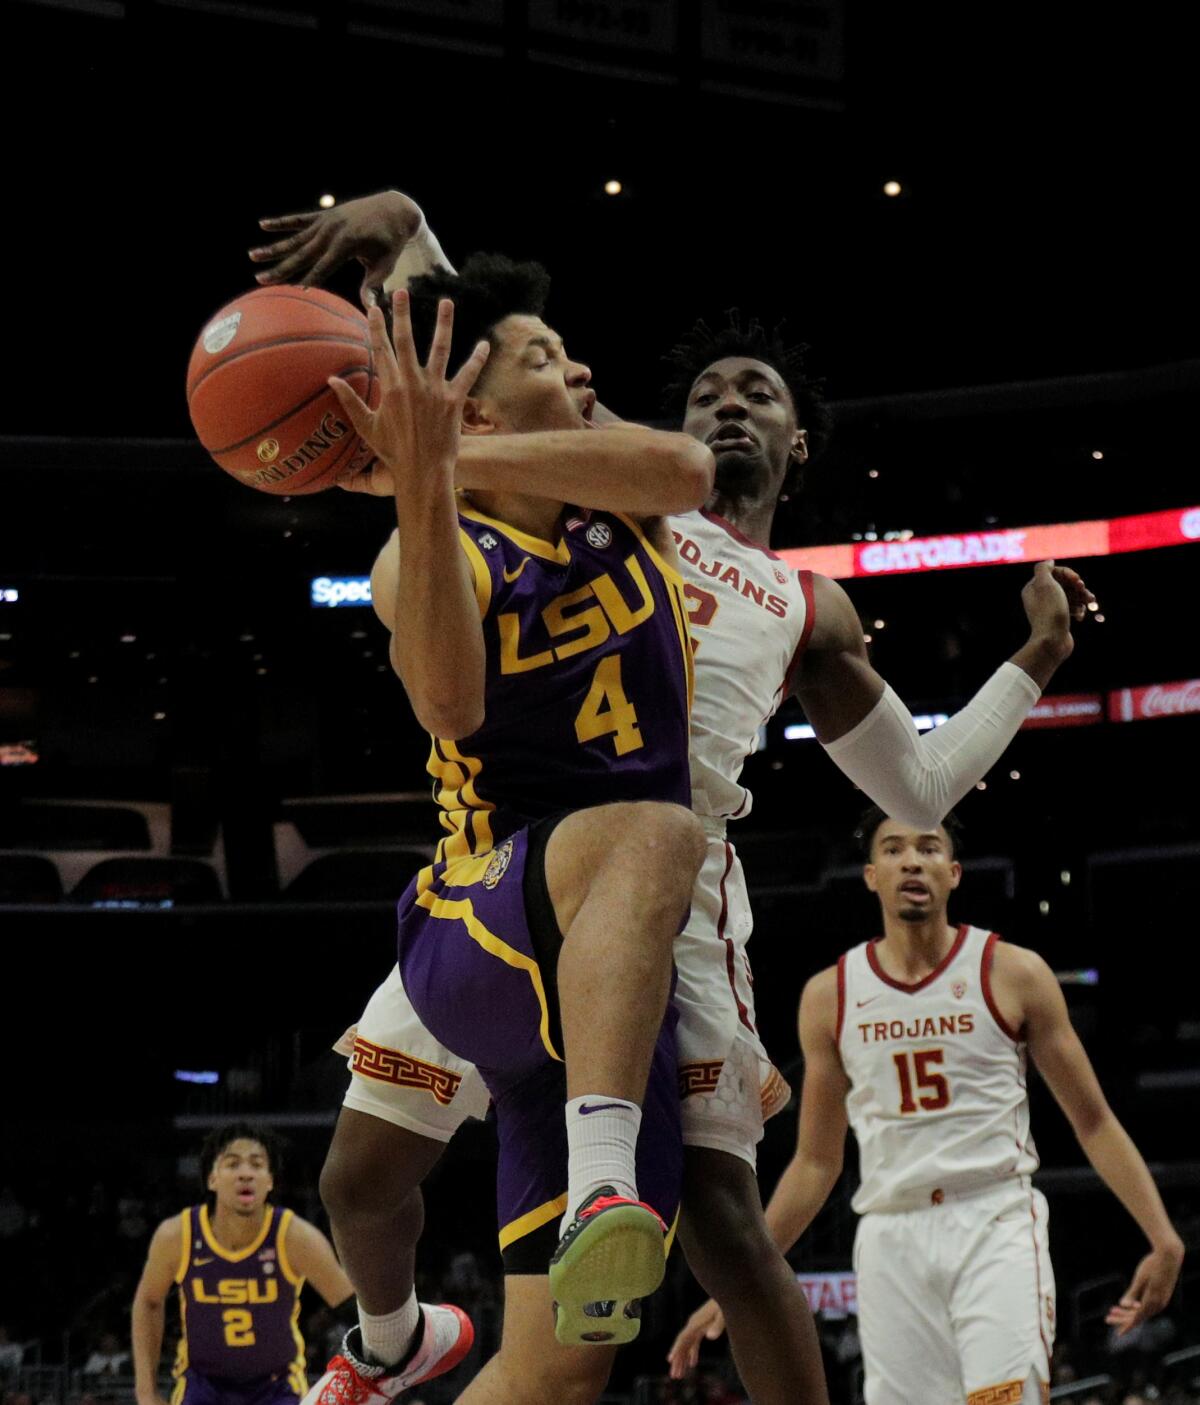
(870, 820)
(487, 289)
(222, 1137)
(699, 347)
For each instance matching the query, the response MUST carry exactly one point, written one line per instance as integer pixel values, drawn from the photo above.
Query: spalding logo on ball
(258, 392)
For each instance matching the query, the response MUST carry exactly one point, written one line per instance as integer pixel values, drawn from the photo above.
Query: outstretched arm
(437, 641)
(386, 233)
(869, 732)
(1062, 1061)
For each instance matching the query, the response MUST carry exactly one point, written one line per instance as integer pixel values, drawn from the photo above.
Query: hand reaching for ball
(415, 431)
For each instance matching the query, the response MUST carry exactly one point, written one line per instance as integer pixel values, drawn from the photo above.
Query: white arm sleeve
(916, 779)
(420, 255)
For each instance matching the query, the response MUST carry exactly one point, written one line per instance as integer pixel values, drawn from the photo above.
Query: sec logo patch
(599, 535)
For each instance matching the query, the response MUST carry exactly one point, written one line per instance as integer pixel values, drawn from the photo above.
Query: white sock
(387, 1339)
(602, 1136)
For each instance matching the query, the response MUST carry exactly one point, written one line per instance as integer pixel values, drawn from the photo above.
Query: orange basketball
(258, 394)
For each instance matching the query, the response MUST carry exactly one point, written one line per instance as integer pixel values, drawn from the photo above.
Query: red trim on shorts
(810, 618)
(737, 535)
(841, 989)
(743, 1013)
(985, 983)
(1037, 1277)
(873, 962)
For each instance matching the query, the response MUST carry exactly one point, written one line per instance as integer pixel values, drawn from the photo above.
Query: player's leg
(371, 1189)
(620, 880)
(406, 1098)
(729, 1087)
(1003, 1303)
(531, 1368)
(728, 1248)
(908, 1343)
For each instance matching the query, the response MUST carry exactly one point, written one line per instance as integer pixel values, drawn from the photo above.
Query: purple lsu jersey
(239, 1308)
(589, 679)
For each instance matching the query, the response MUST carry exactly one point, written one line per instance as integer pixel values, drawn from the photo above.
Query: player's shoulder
(1020, 969)
(167, 1239)
(820, 992)
(1021, 962)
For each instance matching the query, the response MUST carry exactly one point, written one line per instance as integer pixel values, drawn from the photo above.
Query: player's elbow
(687, 473)
(450, 721)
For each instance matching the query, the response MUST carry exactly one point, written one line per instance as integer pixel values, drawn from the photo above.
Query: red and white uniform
(751, 617)
(956, 1293)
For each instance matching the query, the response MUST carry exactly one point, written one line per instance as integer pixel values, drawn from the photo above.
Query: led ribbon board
(1144, 532)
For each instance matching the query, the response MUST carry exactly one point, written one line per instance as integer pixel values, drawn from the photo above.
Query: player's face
(241, 1177)
(913, 871)
(530, 383)
(743, 411)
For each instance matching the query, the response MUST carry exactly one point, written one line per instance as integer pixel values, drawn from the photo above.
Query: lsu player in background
(918, 1042)
(239, 1262)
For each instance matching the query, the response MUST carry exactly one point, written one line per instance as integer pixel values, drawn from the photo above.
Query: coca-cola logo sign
(1167, 700)
(1158, 700)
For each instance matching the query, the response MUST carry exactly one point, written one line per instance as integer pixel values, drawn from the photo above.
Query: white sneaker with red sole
(446, 1337)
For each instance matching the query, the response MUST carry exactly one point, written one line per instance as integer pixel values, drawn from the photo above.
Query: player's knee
(578, 1380)
(723, 1232)
(373, 1171)
(669, 840)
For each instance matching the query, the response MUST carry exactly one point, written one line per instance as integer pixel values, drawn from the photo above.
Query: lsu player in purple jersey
(238, 1262)
(539, 627)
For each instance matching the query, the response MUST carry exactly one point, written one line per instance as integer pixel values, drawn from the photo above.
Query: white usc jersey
(937, 1100)
(751, 617)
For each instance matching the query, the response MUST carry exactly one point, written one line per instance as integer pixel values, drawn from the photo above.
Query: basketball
(258, 393)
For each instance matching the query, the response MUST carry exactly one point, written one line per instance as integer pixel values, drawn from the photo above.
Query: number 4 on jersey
(618, 718)
(939, 1090)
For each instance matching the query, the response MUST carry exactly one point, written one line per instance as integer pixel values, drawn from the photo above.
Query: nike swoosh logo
(598, 1107)
(511, 576)
(861, 1003)
(199, 1263)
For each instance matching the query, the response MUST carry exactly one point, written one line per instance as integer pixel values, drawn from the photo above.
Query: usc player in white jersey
(918, 1042)
(761, 632)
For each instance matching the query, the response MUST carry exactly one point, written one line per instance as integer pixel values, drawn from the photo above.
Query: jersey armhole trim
(841, 998)
(810, 618)
(985, 984)
(481, 577)
(185, 1250)
(285, 1222)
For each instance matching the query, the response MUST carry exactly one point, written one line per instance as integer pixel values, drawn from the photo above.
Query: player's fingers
(381, 350)
(329, 261)
(299, 261)
(296, 221)
(357, 412)
(281, 248)
(470, 370)
(402, 335)
(439, 348)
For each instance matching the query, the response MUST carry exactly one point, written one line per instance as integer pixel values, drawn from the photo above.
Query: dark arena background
(211, 786)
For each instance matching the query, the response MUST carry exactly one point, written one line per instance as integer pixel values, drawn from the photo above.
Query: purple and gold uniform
(239, 1310)
(588, 689)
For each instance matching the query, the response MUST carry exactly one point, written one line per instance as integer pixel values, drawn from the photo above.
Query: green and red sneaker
(611, 1257)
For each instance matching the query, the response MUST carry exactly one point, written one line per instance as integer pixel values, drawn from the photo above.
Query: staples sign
(835, 1294)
